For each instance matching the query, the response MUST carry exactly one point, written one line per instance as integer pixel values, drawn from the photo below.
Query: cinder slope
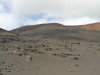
(92, 26)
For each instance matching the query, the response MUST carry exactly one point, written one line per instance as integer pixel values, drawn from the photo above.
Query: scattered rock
(70, 70)
(15, 52)
(17, 70)
(76, 65)
(1, 74)
(75, 58)
(28, 58)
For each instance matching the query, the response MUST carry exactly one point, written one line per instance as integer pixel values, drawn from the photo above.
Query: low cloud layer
(16, 13)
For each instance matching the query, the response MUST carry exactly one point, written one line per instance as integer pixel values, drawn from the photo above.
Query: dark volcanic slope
(24, 29)
(4, 32)
(61, 31)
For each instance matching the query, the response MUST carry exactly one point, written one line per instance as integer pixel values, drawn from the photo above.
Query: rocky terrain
(24, 55)
(50, 49)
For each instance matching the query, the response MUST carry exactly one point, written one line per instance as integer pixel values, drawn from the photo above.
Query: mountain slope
(32, 27)
(88, 32)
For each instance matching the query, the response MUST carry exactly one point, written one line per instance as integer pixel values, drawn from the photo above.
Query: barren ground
(23, 55)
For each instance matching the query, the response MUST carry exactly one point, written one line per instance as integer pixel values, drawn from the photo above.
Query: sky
(17, 13)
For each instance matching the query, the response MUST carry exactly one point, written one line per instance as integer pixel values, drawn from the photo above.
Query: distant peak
(5, 32)
(93, 23)
(2, 29)
(54, 23)
(92, 26)
(58, 24)
(97, 23)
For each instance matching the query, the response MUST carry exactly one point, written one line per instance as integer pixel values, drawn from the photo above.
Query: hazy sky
(16, 13)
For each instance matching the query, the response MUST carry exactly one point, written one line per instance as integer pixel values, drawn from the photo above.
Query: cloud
(1, 8)
(68, 22)
(16, 13)
(7, 21)
(59, 8)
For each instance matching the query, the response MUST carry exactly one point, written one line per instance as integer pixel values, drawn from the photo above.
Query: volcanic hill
(88, 31)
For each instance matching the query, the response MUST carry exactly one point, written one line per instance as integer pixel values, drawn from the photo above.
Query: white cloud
(79, 21)
(67, 12)
(68, 22)
(7, 21)
(1, 8)
(59, 8)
